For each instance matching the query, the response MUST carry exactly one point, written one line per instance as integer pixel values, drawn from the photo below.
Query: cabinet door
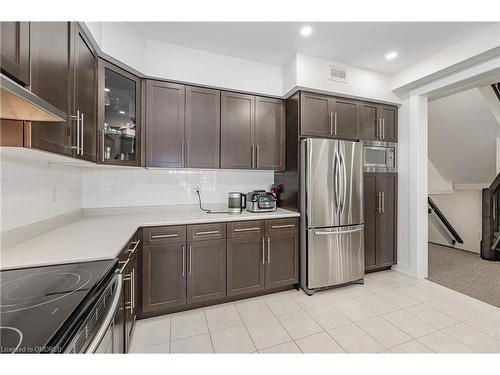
(165, 112)
(386, 184)
(269, 134)
(345, 119)
(316, 115)
(282, 256)
(202, 128)
(237, 130)
(206, 270)
(164, 276)
(50, 80)
(389, 116)
(245, 265)
(85, 100)
(370, 214)
(14, 50)
(368, 122)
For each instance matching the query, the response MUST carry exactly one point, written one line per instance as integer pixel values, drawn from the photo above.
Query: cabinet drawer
(245, 229)
(282, 226)
(164, 235)
(203, 232)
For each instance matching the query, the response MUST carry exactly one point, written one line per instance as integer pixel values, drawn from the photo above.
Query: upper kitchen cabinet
(378, 122)
(326, 116)
(14, 51)
(51, 60)
(118, 115)
(252, 132)
(165, 114)
(202, 128)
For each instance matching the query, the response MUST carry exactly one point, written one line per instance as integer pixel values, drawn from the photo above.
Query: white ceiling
(361, 44)
(462, 137)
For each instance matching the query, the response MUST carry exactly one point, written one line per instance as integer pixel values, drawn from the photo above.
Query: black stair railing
(490, 242)
(496, 89)
(433, 208)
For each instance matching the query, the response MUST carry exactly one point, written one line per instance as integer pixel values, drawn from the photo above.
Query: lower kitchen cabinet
(163, 276)
(380, 212)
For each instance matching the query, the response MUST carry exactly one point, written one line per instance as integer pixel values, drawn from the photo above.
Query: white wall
(117, 187)
(437, 183)
(462, 208)
(32, 191)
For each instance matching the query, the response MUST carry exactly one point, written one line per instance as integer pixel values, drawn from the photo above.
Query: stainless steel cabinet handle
(246, 229)
(159, 236)
(253, 155)
(257, 158)
(383, 202)
(187, 151)
(183, 260)
(134, 246)
(263, 252)
(102, 144)
(206, 233)
(183, 155)
(331, 122)
(282, 226)
(132, 297)
(77, 118)
(190, 259)
(335, 123)
(268, 250)
(379, 202)
(383, 128)
(125, 263)
(81, 136)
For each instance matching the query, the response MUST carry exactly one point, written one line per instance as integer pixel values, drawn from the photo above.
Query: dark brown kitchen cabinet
(14, 51)
(202, 134)
(282, 256)
(326, 116)
(380, 210)
(269, 133)
(118, 116)
(50, 50)
(237, 130)
(378, 122)
(206, 270)
(164, 276)
(130, 285)
(165, 114)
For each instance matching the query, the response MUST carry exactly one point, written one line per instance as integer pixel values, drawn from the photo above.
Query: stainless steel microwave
(379, 156)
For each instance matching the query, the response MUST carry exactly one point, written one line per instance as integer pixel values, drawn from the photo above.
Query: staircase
(490, 243)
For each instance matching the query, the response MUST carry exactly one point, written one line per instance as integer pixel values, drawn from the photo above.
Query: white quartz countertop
(103, 234)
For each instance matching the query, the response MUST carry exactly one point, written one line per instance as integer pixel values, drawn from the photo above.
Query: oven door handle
(118, 280)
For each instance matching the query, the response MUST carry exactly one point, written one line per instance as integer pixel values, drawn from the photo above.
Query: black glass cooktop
(38, 304)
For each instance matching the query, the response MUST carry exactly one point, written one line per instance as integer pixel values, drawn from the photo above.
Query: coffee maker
(236, 202)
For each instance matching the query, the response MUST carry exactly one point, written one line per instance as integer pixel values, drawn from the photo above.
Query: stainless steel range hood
(17, 103)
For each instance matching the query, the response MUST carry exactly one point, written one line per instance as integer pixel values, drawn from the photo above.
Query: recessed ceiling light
(306, 30)
(122, 112)
(106, 89)
(391, 55)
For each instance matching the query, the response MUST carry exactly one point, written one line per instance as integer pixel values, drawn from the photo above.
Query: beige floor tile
(356, 290)
(253, 310)
(233, 340)
(417, 293)
(223, 317)
(268, 332)
(163, 348)
(376, 303)
(440, 342)
(194, 344)
(286, 348)
(152, 331)
(328, 317)
(453, 308)
(319, 298)
(411, 347)
(409, 323)
(354, 310)
(281, 303)
(477, 340)
(431, 316)
(319, 343)
(487, 323)
(384, 332)
(299, 324)
(188, 324)
(354, 340)
(398, 298)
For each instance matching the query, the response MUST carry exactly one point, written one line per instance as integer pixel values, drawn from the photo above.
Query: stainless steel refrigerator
(332, 241)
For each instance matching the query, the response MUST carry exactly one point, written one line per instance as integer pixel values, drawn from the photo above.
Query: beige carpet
(465, 272)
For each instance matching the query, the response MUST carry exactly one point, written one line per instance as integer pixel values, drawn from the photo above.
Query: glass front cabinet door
(119, 114)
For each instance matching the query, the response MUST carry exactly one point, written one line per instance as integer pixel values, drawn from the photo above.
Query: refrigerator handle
(336, 185)
(344, 182)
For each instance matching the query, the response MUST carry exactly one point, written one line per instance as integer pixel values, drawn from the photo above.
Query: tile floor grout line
(209, 332)
(246, 328)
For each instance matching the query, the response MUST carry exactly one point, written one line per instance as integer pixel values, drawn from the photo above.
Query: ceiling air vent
(337, 74)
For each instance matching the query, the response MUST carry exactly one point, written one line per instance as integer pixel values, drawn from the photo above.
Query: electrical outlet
(194, 189)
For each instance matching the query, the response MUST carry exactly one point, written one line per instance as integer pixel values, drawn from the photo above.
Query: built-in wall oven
(379, 156)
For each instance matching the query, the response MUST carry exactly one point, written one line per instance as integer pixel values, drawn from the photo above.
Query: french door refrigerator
(332, 240)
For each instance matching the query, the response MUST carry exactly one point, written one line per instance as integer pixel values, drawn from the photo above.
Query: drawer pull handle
(158, 236)
(282, 226)
(246, 229)
(125, 263)
(206, 233)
